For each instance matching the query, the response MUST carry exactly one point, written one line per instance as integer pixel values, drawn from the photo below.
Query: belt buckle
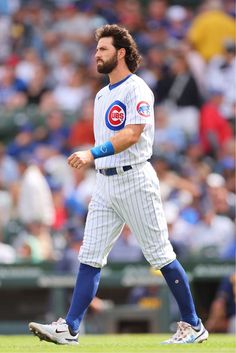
(120, 170)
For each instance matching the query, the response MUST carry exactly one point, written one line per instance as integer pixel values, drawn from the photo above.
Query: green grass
(142, 343)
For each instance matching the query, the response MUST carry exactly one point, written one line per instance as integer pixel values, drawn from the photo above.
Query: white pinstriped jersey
(129, 101)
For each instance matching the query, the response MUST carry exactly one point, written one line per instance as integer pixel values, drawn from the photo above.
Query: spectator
(34, 244)
(156, 14)
(177, 22)
(81, 131)
(220, 198)
(172, 185)
(70, 95)
(106, 10)
(229, 7)
(12, 89)
(64, 68)
(23, 143)
(38, 86)
(212, 235)
(55, 132)
(5, 43)
(179, 229)
(210, 29)
(26, 67)
(79, 196)
(225, 164)
(26, 29)
(156, 25)
(9, 172)
(179, 87)
(230, 252)
(220, 71)
(7, 254)
(170, 141)
(222, 311)
(196, 63)
(130, 15)
(6, 207)
(35, 199)
(179, 92)
(56, 168)
(68, 261)
(193, 163)
(215, 131)
(73, 30)
(61, 216)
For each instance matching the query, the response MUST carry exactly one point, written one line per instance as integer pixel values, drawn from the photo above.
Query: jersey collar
(119, 82)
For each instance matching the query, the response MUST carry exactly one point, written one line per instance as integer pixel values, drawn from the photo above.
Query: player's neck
(118, 75)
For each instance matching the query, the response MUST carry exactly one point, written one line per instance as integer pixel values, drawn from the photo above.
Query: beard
(108, 66)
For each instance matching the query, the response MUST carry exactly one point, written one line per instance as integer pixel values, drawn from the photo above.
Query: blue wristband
(106, 149)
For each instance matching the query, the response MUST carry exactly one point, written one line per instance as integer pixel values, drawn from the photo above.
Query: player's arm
(118, 143)
(126, 137)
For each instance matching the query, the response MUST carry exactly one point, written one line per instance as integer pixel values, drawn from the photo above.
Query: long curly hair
(121, 39)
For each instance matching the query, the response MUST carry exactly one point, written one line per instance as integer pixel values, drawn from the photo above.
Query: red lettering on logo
(116, 115)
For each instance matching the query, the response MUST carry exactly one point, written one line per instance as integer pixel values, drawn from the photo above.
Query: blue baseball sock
(85, 290)
(177, 281)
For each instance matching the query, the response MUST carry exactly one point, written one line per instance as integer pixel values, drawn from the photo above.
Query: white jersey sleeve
(139, 103)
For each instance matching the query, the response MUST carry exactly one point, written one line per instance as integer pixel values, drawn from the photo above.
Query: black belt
(114, 171)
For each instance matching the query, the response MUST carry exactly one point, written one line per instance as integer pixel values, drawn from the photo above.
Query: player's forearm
(126, 138)
(119, 142)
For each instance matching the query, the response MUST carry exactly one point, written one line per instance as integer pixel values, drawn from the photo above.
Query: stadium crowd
(48, 80)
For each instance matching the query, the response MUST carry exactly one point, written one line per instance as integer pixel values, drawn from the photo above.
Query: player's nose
(97, 56)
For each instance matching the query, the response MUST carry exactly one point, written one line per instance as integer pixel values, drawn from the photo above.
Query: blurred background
(48, 81)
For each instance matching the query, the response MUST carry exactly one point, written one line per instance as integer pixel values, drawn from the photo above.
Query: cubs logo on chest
(116, 116)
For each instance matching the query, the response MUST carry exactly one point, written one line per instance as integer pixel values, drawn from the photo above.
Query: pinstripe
(116, 214)
(117, 187)
(102, 227)
(91, 224)
(134, 196)
(132, 98)
(145, 225)
(134, 207)
(130, 92)
(156, 218)
(129, 212)
(158, 234)
(142, 216)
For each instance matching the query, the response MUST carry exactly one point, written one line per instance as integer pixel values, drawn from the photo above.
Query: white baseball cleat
(188, 334)
(56, 332)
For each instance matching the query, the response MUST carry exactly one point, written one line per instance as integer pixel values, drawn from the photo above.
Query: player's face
(106, 56)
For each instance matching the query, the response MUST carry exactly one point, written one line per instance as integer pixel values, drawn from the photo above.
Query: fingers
(74, 161)
(73, 157)
(80, 159)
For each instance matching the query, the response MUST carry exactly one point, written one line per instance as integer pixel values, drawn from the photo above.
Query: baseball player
(127, 191)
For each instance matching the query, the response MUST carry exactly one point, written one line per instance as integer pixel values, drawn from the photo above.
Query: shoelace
(182, 331)
(59, 321)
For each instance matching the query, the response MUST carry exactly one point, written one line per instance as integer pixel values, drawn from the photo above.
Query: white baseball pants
(131, 197)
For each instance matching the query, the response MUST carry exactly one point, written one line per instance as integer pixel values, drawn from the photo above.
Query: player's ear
(121, 53)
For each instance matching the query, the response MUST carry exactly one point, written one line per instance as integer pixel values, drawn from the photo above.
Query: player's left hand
(80, 159)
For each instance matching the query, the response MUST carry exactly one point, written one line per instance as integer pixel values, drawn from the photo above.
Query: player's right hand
(80, 159)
